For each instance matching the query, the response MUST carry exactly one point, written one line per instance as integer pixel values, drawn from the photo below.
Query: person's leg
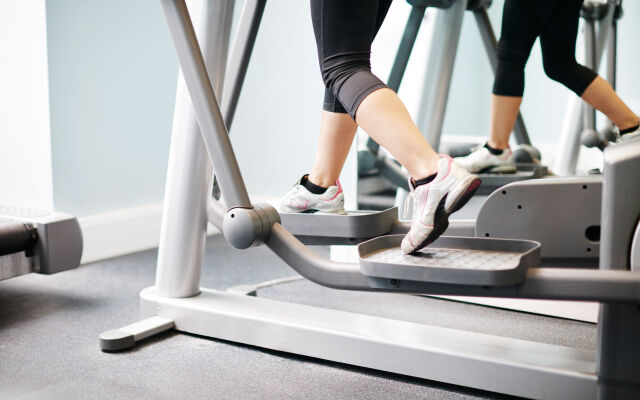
(337, 128)
(558, 42)
(344, 32)
(384, 117)
(520, 27)
(320, 190)
(503, 114)
(336, 135)
(601, 96)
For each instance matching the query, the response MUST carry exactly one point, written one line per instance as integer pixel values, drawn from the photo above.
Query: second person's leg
(558, 42)
(520, 27)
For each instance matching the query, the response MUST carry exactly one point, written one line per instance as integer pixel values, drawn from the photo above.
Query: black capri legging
(344, 31)
(556, 22)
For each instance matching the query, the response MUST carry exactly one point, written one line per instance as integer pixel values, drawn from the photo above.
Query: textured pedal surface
(493, 181)
(455, 260)
(356, 224)
(449, 258)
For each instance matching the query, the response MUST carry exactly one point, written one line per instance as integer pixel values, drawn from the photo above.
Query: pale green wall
(112, 74)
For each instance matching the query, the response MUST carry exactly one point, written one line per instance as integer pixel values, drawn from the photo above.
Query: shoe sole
(440, 224)
(315, 211)
(441, 217)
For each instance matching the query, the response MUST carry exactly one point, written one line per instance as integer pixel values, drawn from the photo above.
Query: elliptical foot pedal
(501, 170)
(452, 260)
(494, 180)
(353, 228)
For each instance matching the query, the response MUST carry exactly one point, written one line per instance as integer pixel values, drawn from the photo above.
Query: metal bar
(205, 104)
(612, 58)
(240, 56)
(540, 283)
(589, 113)
(394, 173)
(402, 57)
(215, 212)
(16, 237)
(491, 46)
(317, 269)
(612, 54)
(15, 264)
(406, 46)
(184, 218)
(445, 34)
(619, 324)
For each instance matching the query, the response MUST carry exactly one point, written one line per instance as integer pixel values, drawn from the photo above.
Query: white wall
(25, 148)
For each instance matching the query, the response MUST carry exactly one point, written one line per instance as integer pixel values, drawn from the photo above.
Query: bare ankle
(321, 181)
(498, 145)
(629, 124)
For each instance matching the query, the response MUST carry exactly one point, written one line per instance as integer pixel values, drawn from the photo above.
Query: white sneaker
(482, 160)
(629, 136)
(299, 200)
(433, 202)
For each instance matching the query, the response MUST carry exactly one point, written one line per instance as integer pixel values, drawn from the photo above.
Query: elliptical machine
(502, 268)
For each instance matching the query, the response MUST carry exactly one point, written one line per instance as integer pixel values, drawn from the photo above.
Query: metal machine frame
(600, 33)
(37, 241)
(476, 360)
(592, 12)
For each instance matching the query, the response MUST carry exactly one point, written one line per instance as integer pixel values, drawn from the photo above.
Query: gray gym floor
(49, 328)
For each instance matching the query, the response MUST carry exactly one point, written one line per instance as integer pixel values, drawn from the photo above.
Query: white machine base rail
(486, 362)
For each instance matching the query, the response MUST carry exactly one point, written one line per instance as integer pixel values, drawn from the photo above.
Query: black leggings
(344, 32)
(556, 22)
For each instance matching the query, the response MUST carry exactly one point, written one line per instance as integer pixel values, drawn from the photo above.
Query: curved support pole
(337, 275)
(540, 283)
(205, 104)
(184, 219)
(240, 55)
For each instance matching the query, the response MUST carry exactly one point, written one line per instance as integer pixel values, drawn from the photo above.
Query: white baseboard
(124, 231)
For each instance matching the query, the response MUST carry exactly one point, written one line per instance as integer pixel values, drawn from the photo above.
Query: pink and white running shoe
(300, 200)
(482, 160)
(433, 202)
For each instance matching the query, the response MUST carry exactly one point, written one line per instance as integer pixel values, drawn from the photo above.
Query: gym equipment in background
(593, 11)
(379, 172)
(578, 127)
